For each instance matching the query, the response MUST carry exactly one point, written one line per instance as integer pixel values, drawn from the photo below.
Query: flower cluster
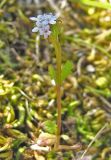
(43, 24)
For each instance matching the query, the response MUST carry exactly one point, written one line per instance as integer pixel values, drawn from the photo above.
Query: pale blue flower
(33, 18)
(43, 23)
(35, 29)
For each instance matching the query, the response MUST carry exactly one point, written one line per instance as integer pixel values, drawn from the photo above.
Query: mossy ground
(27, 96)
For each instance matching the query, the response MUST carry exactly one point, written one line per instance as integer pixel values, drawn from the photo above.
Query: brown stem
(58, 88)
(66, 147)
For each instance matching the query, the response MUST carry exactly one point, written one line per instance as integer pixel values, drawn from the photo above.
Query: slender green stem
(58, 88)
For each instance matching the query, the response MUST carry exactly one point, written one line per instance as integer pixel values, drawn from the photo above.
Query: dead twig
(94, 139)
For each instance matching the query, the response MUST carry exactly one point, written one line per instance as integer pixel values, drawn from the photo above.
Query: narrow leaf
(52, 72)
(66, 70)
(105, 5)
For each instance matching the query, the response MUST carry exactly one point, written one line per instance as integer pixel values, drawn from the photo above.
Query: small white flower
(43, 23)
(33, 18)
(35, 29)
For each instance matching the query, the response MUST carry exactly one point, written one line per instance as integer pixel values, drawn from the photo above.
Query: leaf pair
(66, 70)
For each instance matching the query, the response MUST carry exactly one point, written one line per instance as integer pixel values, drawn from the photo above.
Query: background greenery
(27, 96)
